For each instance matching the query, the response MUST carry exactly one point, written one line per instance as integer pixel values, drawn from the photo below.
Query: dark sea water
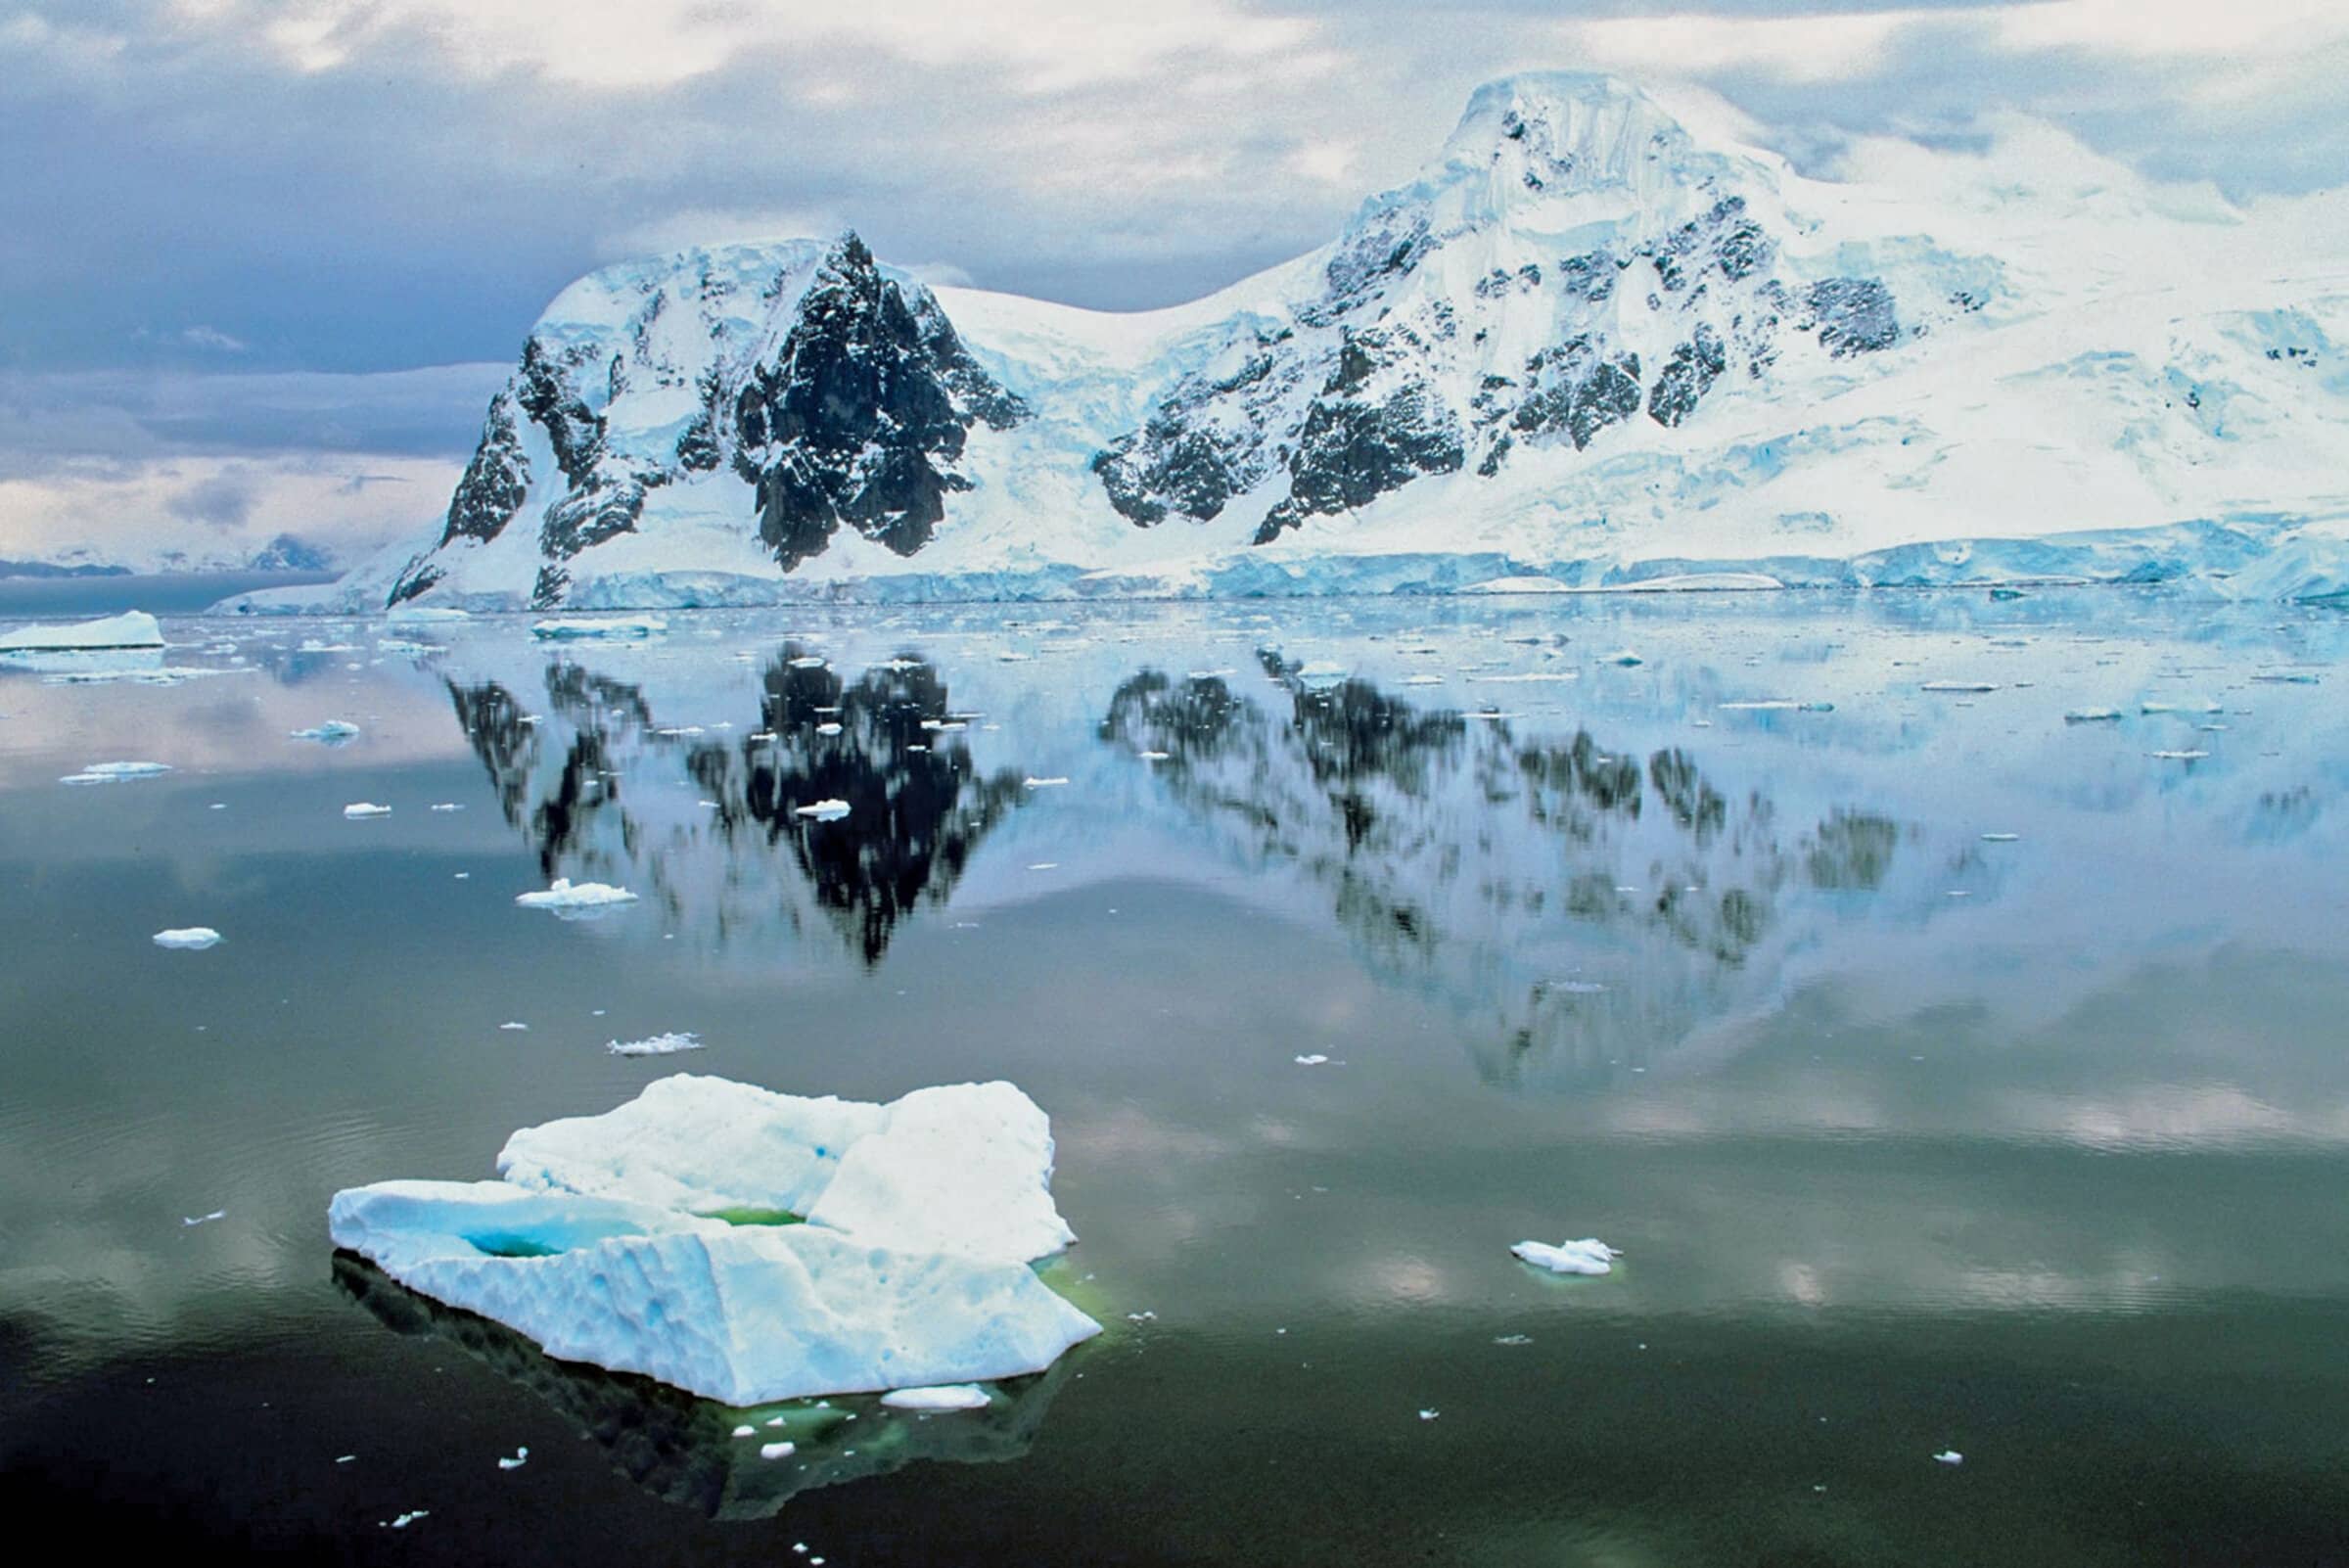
(161, 593)
(1952, 1075)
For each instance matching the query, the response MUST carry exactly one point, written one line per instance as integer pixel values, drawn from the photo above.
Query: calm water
(1917, 1136)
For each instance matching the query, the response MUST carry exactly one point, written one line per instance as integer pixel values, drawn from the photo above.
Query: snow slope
(1599, 341)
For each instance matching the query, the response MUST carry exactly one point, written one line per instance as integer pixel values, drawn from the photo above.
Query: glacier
(1601, 342)
(749, 1246)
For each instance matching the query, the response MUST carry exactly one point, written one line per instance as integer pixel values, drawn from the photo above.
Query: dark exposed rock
(495, 481)
(856, 419)
(1579, 393)
(1686, 376)
(588, 516)
(1852, 315)
(1351, 452)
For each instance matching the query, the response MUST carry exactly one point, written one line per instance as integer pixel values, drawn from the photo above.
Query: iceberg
(358, 810)
(333, 732)
(950, 1396)
(561, 629)
(1588, 1255)
(824, 810)
(192, 939)
(134, 629)
(657, 1238)
(115, 772)
(563, 895)
(668, 1045)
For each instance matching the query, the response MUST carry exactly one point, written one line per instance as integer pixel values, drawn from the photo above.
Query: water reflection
(1452, 849)
(595, 793)
(681, 1449)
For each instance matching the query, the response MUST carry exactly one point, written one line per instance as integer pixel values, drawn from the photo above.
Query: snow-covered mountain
(1597, 342)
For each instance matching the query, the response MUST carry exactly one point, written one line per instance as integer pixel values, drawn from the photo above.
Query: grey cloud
(222, 501)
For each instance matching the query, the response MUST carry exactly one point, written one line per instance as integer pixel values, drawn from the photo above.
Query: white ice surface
(564, 894)
(134, 629)
(193, 938)
(949, 1397)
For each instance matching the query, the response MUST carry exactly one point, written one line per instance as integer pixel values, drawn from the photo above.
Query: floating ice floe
(1949, 1456)
(668, 1045)
(1525, 678)
(447, 806)
(823, 811)
(193, 938)
(2186, 754)
(1042, 783)
(810, 662)
(1958, 686)
(521, 1457)
(942, 1397)
(411, 615)
(1312, 1060)
(2285, 678)
(656, 1239)
(333, 732)
(205, 1219)
(1588, 1255)
(358, 809)
(2091, 716)
(2001, 838)
(565, 628)
(1625, 657)
(778, 1450)
(563, 895)
(115, 772)
(134, 629)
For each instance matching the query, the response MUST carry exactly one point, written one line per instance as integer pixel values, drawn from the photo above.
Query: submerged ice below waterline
(750, 1246)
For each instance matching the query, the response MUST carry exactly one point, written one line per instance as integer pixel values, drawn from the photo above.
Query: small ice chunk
(2091, 716)
(2001, 838)
(1044, 783)
(564, 894)
(333, 732)
(1958, 686)
(1588, 1255)
(410, 1518)
(116, 773)
(778, 1450)
(825, 811)
(447, 806)
(1949, 1456)
(1313, 1059)
(2189, 754)
(205, 1219)
(358, 809)
(514, 1025)
(521, 1457)
(1429, 1416)
(938, 1396)
(808, 662)
(191, 939)
(745, 1430)
(1625, 657)
(827, 727)
(668, 1045)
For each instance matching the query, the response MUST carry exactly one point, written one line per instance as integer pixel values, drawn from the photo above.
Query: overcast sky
(208, 189)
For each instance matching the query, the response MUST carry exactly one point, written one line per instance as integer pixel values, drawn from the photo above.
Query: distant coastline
(110, 590)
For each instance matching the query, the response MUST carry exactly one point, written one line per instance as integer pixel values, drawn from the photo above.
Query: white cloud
(682, 230)
(212, 337)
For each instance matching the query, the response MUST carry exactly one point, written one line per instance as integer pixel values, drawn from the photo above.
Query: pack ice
(658, 1238)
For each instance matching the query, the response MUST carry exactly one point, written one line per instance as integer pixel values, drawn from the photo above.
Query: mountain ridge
(1586, 345)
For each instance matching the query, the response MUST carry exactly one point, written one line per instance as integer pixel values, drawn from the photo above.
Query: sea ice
(2091, 716)
(333, 732)
(634, 1240)
(943, 1397)
(1958, 686)
(563, 628)
(1950, 1456)
(566, 895)
(778, 1450)
(134, 629)
(668, 1045)
(358, 809)
(1586, 1257)
(1312, 1060)
(115, 772)
(194, 939)
(823, 811)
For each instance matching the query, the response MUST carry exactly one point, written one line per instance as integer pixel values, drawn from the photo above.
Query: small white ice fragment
(1949, 1456)
(2001, 838)
(2091, 716)
(827, 727)
(1044, 783)
(938, 1396)
(1626, 658)
(447, 806)
(808, 662)
(657, 1046)
(344, 1459)
(2187, 756)
(564, 894)
(1314, 1059)
(333, 732)
(115, 772)
(1429, 1416)
(513, 1026)
(745, 1430)
(193, 938)
(205, 1219)
(407, 1519)
(1957, 686)
(357, 810)
(1588, 1255)
(521, 1457)
(778, 1450)
(823, 811)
